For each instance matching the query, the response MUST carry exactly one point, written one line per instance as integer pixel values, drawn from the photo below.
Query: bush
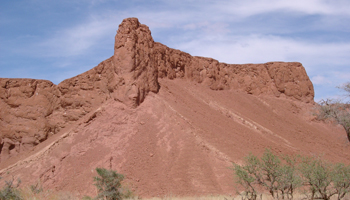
(317, 175)
(10, 190)
(274, 174)
(341, 180)
(36, 189)
(248, 176)
(281, 176)
(109, 185)
(270, 167)
(289, 179)
(335, 110)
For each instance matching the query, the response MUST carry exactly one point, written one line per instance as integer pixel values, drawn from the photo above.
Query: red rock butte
(172, 123)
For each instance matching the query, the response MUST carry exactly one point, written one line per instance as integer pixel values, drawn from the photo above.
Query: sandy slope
(180, 141)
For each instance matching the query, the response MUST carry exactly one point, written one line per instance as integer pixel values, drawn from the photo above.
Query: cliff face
(25, 108)
(32, 110)
(274, 78)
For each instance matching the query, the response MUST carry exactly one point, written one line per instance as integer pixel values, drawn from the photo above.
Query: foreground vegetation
(284, 176)
(108, 184)
(269, 177)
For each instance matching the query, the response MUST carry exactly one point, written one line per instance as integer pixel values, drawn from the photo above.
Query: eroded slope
(179, 141)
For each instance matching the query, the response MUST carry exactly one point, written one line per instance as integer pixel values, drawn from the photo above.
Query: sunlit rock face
(134, 63)
(33, 110)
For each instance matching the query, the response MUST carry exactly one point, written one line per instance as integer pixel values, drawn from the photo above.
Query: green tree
(289, 179)
(317, 175)
(281, 176)
(248, 176)
(277, 175)
(341, 180)
(270, 167)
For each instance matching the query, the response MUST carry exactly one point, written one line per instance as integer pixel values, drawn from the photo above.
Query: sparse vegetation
(336, 110)
(282, 176)
(36, 189)
(248, 176)
(317, 176)
(279, 176)
(341, 180)
(10, 190)
(109, 186)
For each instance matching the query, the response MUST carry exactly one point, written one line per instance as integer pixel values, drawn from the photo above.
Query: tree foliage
(317, 176)
(341, 180)
(336, 110)
(274, 174)
(248, 176)
(281, 176)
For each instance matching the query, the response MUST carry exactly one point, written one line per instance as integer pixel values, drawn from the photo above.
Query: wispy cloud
(310, 7)
(264, 48)
(79, 39)
(313, 32)
(320, 80)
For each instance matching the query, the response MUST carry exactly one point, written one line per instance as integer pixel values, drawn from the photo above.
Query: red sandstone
(171, 122)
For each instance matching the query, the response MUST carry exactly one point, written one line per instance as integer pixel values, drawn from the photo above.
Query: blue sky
(56, 40)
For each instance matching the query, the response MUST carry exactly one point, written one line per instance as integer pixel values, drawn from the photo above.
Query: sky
(56, 40)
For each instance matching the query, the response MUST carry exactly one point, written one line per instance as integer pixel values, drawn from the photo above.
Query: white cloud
(310, 7)
(79, 39)
(264, 48)
(320, 80)
(342, 75)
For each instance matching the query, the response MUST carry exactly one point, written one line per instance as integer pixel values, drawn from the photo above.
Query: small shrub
(108, 184)
(36, 189)
(10, 190)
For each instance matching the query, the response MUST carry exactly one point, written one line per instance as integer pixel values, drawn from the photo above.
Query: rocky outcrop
(273, 78)
(134, 63)
(25, 107)
(31, 110)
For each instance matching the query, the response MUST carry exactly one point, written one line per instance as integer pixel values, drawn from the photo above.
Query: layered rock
(31, 110)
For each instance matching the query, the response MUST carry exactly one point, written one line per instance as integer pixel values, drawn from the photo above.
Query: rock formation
(32, 110)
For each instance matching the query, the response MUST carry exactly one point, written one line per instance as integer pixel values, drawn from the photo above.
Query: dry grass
(54, 195)
(28, 194)
(222, 197)
(210, 197)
